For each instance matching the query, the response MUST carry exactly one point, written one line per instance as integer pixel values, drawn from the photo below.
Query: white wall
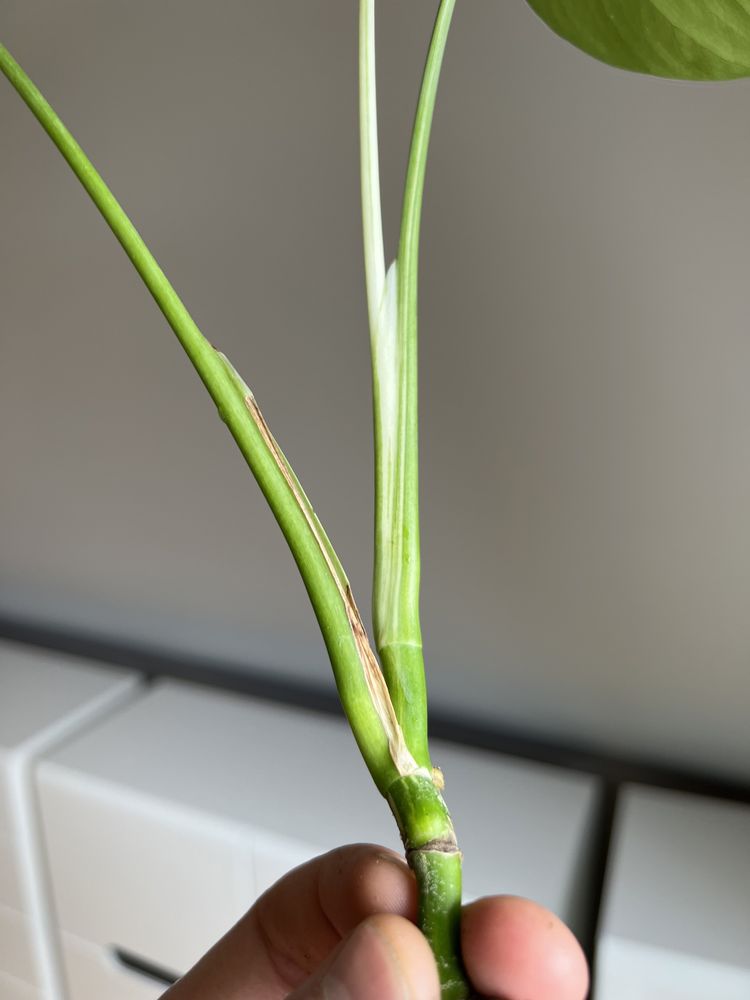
(586, 358)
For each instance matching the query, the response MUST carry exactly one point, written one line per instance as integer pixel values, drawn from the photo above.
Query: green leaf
(684, 39)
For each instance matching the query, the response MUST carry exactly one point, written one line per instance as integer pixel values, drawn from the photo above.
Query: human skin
(341, 927)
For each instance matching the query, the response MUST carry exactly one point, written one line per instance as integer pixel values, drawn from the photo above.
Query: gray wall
(585, 355)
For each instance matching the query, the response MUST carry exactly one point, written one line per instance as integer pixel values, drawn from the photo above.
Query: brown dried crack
(440, 845)
(379, 694)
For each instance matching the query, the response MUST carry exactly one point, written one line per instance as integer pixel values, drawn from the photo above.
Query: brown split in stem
(373, 675)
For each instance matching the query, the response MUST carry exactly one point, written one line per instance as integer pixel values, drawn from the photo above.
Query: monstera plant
(382, 689)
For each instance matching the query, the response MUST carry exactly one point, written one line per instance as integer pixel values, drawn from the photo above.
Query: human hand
(341, 928)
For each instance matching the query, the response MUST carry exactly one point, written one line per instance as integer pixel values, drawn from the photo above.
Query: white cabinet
(44, 699)
(676, 912)
(17, 945)
(526, 829)
(14, 989)
(164, 823)
(95, 972)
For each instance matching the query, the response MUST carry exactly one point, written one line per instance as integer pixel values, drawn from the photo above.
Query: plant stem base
(434, 857)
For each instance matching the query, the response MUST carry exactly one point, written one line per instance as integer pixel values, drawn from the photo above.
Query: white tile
(92, 973)
(676, 910)
(16, 937)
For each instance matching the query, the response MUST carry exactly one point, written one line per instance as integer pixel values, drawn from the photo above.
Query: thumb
(384, 958)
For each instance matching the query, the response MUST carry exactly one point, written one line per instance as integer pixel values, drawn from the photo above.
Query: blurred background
(585, 471)
(584, 357)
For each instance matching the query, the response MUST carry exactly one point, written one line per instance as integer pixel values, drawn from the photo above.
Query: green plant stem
(396, 624)
(372, 222)
(400, 646)
(358, 679)
(434, 857)
(401, 658)
(417, 804)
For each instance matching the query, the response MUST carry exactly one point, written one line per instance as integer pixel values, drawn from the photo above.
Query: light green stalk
(372, 222)
(399, 639)
(358, 678)
(392, 308)
(434, 857)
(397, 636)
(419, 808)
